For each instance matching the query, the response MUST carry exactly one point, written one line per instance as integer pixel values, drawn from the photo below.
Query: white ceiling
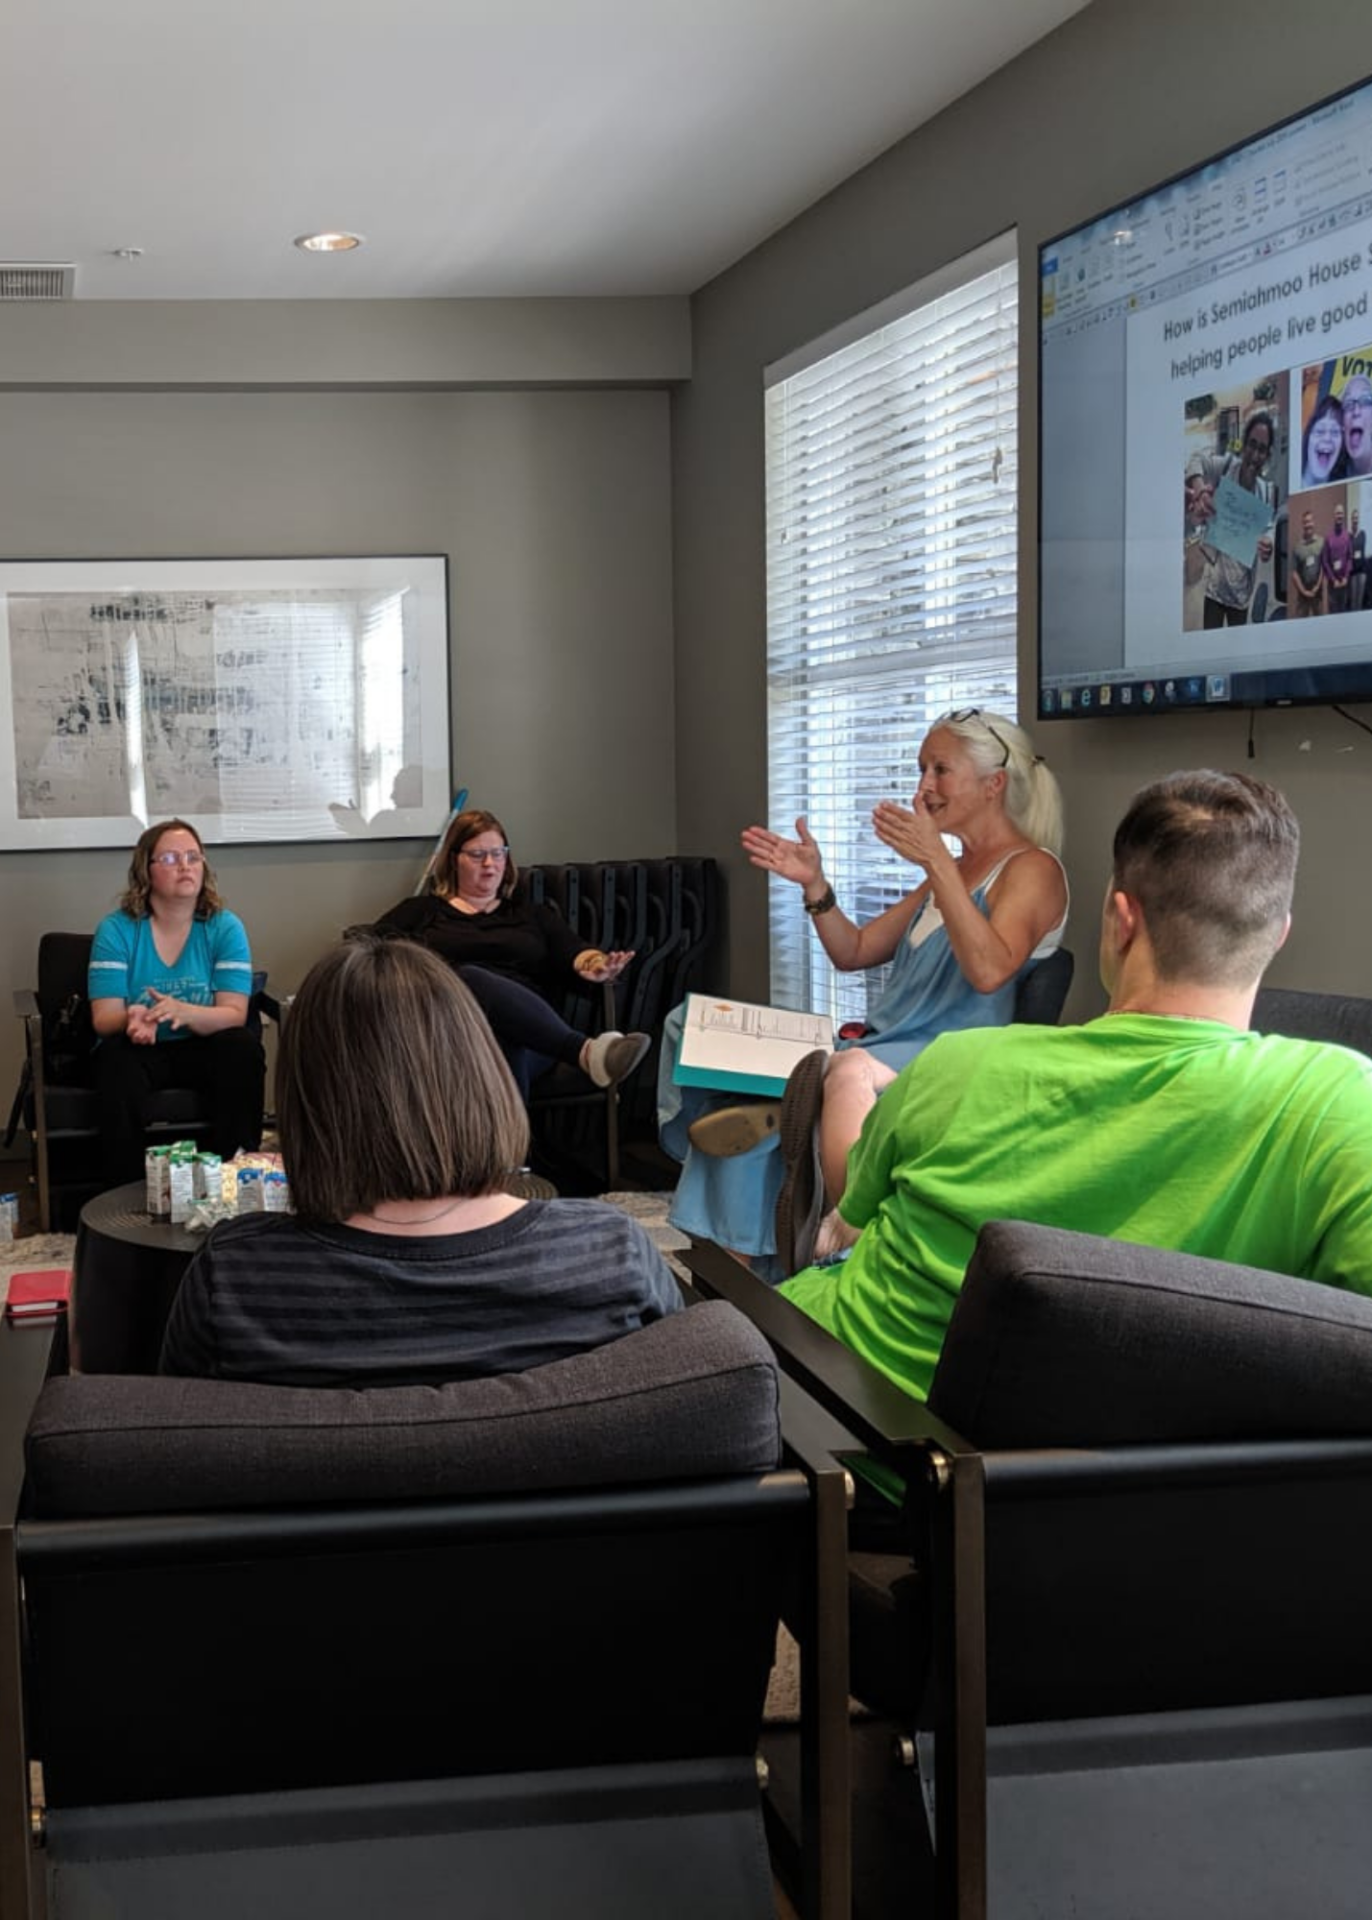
(483, 147)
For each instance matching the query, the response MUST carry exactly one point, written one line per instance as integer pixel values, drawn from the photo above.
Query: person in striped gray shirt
(405, 1260)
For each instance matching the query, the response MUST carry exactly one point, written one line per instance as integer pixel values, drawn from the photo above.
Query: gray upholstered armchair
(1123, 1620)
(334, 1652)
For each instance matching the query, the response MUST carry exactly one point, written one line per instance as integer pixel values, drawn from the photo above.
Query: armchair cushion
(1063, 1339)
(1345, 1019)
(689, 1396)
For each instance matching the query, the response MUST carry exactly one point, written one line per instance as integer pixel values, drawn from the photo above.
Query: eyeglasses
(974, 713)
(480, 855)
(178, 860)
(1357, 404)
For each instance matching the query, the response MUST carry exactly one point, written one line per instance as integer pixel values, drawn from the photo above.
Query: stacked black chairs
(667, 913)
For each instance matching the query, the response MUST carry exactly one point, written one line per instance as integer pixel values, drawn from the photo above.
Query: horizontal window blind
(891, 583)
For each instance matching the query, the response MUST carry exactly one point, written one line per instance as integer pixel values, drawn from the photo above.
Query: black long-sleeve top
(530, 944)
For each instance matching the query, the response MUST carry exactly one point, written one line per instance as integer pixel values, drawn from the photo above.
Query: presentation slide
(1236, 369)
(1205, 495)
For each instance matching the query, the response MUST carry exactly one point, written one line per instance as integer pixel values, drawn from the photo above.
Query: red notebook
(38, 1294)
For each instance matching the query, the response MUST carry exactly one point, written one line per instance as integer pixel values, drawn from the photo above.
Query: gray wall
(554, 507)
(1120, 97)
(537, 455)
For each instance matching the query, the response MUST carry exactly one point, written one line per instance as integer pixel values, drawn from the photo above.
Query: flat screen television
(1205, 444)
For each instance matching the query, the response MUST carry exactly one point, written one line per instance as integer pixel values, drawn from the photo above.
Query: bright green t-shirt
(1185, 1134)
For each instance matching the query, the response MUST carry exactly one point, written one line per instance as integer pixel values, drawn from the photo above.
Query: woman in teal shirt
(170, 984)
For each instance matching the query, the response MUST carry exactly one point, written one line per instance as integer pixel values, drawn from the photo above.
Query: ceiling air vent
(36, 280)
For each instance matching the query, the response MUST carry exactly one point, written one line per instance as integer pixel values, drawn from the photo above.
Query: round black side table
(125, 1274)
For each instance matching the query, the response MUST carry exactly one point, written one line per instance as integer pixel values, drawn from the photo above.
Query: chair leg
(24, 1366)
(42, 1149)
(17, 1110)
(612, 1140)
(957, 1558)
(15, 1845)
(608, 1016)
(44, 1186)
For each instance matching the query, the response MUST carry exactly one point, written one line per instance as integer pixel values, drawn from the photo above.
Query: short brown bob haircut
(1211, 859)
(139, 890)
(464, 828)
(390, 1085)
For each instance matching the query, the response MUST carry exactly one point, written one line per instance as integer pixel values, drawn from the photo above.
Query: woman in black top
(512, 957)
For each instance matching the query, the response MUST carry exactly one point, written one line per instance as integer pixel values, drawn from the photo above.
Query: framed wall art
(261, 699)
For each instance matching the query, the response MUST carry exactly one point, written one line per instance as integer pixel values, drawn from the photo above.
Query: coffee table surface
(122, 1214)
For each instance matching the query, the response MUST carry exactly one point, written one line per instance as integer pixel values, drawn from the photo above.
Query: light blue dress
(733, 1200)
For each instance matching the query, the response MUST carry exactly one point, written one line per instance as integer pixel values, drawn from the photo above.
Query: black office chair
(56, 1096)
(1042, 994)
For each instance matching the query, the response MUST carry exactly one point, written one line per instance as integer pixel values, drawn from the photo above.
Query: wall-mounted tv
(1205, 444)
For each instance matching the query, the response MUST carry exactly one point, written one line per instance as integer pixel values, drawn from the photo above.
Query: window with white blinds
(891, 590)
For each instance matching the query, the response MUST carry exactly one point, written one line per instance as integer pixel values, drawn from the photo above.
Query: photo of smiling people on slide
(1335, 420)
(1323, 457)
(1236, 445)
(1329, 550)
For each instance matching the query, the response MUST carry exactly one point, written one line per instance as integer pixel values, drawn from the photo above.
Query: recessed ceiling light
(328, 242)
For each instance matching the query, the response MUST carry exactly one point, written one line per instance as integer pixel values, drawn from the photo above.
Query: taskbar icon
(1131, 696)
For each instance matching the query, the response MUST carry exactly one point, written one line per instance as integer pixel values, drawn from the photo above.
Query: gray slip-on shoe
(735, 1129)
(613, 1056)
(800, 1204)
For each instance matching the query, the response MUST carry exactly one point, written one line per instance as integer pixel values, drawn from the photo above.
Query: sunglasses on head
(962, 714)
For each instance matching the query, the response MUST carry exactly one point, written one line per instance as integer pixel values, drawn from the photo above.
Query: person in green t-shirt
(1166, 1122)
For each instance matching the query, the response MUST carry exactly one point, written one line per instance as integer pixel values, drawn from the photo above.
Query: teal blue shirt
(125, 964)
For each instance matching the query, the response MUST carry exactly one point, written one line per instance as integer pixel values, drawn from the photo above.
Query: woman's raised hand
(1198, 505)
(908, 831)
(796, 860)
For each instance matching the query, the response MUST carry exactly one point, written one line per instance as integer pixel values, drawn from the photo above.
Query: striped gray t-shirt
(275, 1299)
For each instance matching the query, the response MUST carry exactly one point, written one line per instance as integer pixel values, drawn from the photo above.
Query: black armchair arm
(26, 1006)
(27, 1353)
(887, 1421)
(945, 1506)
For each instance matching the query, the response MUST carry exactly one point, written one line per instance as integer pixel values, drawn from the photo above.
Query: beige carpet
(650, 1210)
(782, 1705)
(37, 1250)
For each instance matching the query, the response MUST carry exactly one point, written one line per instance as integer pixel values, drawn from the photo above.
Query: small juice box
(251, 1198)
(181, 1183)
(157, 1167)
